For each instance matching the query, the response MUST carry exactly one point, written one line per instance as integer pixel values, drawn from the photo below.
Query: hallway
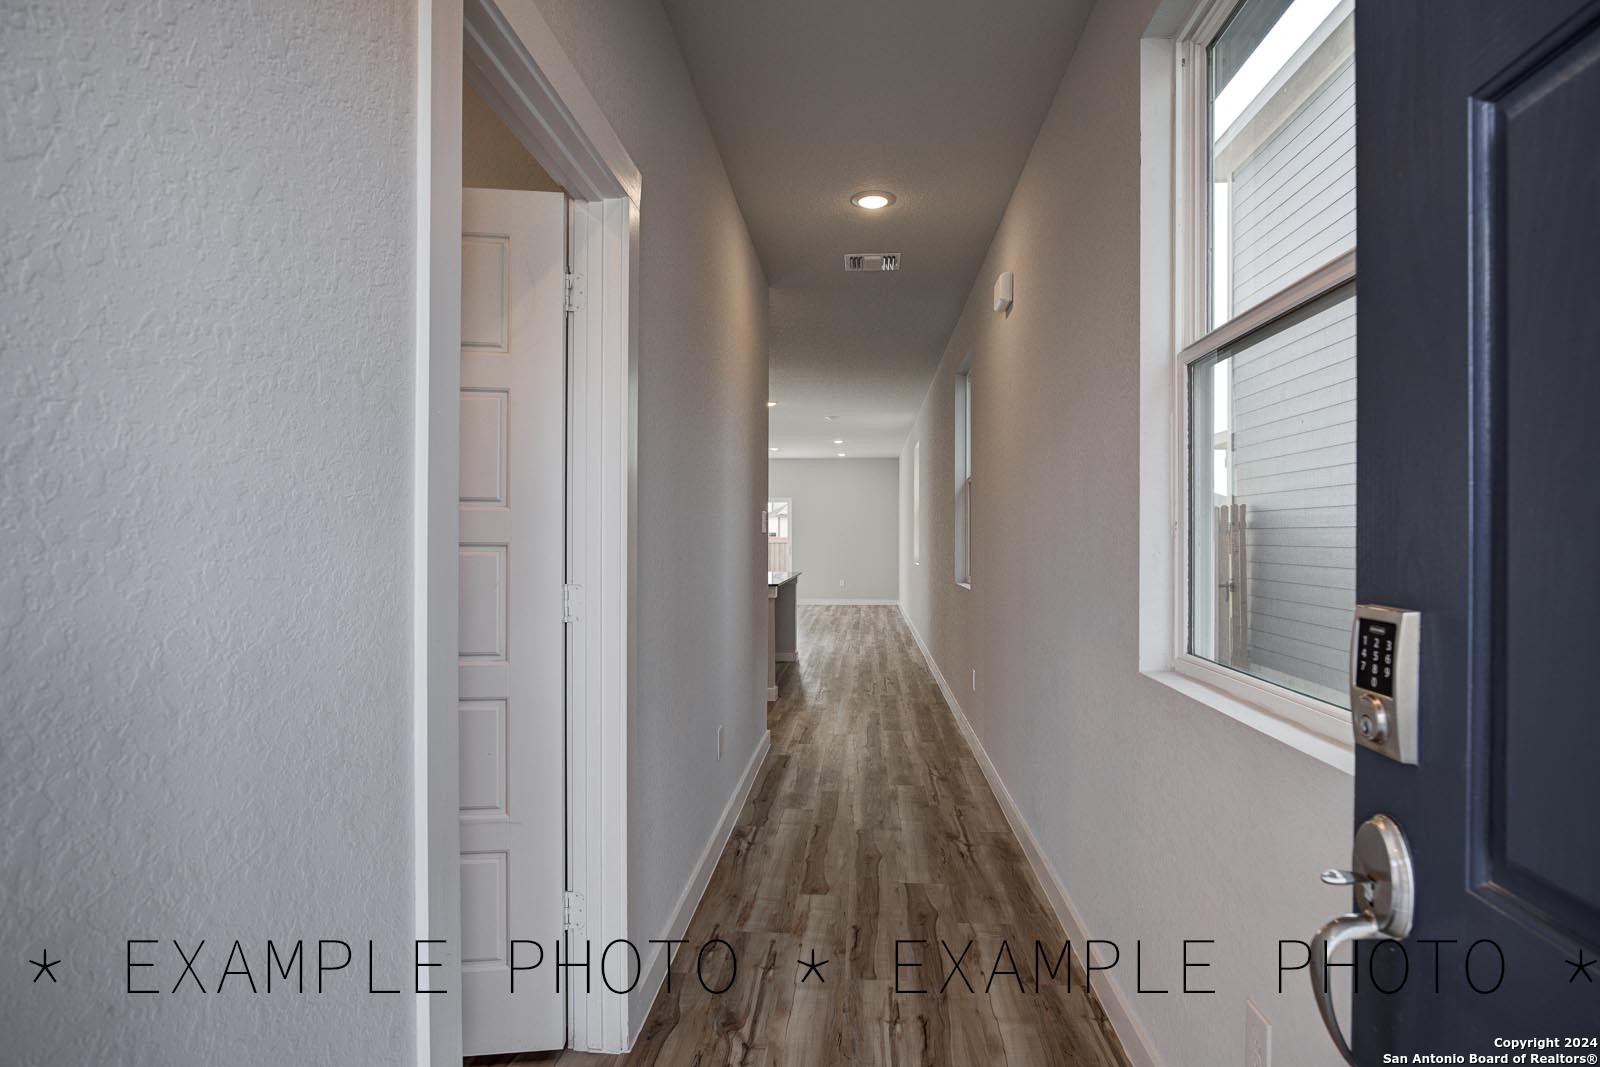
(699, 533)
(871, 823)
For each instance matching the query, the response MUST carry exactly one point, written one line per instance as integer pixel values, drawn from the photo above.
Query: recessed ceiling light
(839, 454)
(838, 440)
(873, 199)
(772, 403)
(829, 418)
(773, 448)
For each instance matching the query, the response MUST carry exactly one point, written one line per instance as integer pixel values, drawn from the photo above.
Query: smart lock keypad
(1375, 654)
(1384, 647)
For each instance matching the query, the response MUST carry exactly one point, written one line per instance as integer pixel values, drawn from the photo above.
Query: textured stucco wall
(846, 525)
(206, 222)
(1145, 801)
(702, 450)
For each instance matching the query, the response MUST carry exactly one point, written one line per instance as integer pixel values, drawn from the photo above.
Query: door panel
(512, 640)
(1478, 147)
(484, 428)
(1538, 144)
(483, 756)
(482, 630)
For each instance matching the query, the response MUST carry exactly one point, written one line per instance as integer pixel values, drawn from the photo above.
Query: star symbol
(1581, 966)
(44, 963)
(812, 968)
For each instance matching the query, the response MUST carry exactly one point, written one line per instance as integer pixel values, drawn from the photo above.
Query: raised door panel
(485, 292)
(512, 712)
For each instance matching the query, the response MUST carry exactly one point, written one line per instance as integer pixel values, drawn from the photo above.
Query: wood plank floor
(870, 823)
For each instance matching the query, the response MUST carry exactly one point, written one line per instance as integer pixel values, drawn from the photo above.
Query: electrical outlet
(719, 744)
(1257, 1037)
(841, 585)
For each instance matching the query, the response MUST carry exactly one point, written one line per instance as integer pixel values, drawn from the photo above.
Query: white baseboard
(644, 994)
(1135, 1041)
(826, 601)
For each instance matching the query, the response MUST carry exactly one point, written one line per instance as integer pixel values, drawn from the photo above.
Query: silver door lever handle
(1333, 936)
(1383, 896)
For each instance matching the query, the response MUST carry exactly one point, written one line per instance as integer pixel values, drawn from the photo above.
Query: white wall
(846, 525)
(702, 452)
(206, 356)
(206, 374)
(1165, 819)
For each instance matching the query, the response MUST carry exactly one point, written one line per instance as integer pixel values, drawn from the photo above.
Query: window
(963, 509)
(916, 502)
(780, 545)
(1266, 364)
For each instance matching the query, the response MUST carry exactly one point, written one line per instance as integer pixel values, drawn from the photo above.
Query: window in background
(780, 544)
(916, 502)
(1282, 148)
(963, 487)
(1271, 374)
(1272, 524)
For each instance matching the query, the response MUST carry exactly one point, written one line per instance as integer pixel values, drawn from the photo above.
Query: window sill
(1275, 712)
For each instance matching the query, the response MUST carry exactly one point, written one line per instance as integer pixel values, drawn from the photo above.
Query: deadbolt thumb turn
(1383, 897)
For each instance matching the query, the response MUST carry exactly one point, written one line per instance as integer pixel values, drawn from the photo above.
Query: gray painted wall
(846, 525)
(1124, 781)
(702, 629)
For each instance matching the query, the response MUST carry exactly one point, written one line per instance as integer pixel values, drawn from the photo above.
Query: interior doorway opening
(547, 138)
(511, 628)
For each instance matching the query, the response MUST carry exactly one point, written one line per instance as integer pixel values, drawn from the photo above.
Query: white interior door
(512, 638)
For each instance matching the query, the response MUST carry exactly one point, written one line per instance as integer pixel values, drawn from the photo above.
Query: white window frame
(963, 480)
(788, 503)
(1174, 201)
(916, 503)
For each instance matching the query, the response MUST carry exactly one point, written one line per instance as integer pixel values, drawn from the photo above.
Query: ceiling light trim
(873, 199)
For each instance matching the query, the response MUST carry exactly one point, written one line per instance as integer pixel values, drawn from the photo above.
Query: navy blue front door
(1478, 140)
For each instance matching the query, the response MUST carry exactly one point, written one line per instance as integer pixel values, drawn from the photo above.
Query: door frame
(514, 59)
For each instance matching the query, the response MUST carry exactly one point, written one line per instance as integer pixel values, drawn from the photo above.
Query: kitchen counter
(782, 644)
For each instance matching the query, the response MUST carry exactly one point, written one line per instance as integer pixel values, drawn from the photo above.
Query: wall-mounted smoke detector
(872, 261)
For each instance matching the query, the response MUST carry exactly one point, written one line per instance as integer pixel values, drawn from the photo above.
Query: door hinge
(571, 910)
(574, 297)
(571, 602)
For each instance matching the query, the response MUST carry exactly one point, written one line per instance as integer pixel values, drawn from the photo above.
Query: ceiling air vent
(872, 261)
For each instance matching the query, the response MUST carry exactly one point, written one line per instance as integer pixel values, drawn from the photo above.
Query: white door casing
(512, 638)
(515, 61)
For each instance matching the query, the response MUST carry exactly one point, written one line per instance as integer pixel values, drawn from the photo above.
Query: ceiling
(937, 101)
